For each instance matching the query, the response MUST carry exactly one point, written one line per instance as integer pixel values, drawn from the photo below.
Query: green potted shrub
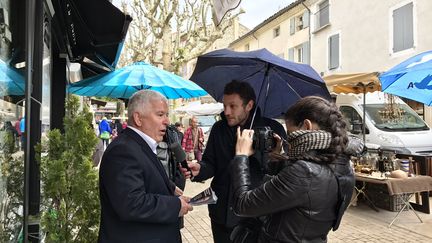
(11, 189)
(70, 195)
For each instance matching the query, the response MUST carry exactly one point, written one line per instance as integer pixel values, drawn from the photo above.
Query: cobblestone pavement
(360, 224)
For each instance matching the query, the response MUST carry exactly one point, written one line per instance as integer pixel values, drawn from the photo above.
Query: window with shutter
(291, 54)
(292, 26)
(323, 17)
(403, 28)
(276, 32)
(333, 51)
(300, 54)
(299, 23)
(305, 19)
(305, 47)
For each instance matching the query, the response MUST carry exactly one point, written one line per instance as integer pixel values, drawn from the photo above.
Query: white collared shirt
(150, 141)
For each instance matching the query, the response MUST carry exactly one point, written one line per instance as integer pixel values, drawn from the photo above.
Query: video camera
(263, 140)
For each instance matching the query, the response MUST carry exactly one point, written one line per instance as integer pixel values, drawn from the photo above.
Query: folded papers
(207, 196)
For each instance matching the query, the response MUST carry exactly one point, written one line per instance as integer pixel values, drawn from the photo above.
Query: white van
(403, 132)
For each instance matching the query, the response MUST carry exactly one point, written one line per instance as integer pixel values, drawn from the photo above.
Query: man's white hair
(140, 101)
(191, 119)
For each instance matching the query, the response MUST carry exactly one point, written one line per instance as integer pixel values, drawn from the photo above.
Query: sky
(259, 10)
(256, 11)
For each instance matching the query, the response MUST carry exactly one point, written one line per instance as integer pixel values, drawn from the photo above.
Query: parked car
(394, 127)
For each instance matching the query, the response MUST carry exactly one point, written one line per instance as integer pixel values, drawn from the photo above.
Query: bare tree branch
(170, 32)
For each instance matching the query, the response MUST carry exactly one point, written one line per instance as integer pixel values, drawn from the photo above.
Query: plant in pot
(70, 192)
(11, 188)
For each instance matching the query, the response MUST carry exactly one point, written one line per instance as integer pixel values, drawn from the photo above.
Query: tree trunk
(167, 49)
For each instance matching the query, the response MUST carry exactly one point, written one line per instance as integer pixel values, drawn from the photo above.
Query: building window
(323, 14)
(299, 22)
(292, 26)
(305, 52)
(276, 32)
(299, 53)
(305, 19)
(247, 47)
(403, 28)
(291, 54)
(333, 47)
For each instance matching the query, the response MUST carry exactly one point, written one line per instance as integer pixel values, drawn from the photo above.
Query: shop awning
(197, 109)
(353, 82)
(93, 33)
(357, 83)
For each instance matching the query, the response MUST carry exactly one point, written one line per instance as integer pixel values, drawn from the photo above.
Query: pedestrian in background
(22, 130)
(193, 140)
(104, 131)
(118, 125)
(117, 128)
(180, 130)
(124, 124)
(17, 128)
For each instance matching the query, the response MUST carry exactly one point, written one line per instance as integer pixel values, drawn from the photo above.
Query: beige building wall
(365, 31)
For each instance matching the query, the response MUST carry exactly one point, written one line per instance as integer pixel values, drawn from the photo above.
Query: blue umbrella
(411, 79)
(11, 81)
(123, 82)
(278, 83)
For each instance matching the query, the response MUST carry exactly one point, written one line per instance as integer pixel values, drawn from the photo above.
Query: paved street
(360, 224)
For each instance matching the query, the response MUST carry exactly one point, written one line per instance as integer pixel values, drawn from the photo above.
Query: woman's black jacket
(301, 203)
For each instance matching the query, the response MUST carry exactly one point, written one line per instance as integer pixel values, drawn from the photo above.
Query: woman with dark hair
(309, 195)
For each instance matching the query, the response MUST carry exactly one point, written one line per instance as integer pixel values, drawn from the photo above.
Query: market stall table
(399, 187)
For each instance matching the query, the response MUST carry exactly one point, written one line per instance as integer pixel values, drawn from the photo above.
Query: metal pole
(309, 30)
(30, 19)
(364, 113)
(267, 68)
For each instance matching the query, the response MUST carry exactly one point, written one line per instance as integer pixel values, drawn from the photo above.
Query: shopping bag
(105, 135)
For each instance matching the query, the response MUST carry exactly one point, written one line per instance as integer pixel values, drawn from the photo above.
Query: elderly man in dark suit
(138, 201)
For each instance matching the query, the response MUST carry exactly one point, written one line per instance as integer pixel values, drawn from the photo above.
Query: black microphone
(180, 156)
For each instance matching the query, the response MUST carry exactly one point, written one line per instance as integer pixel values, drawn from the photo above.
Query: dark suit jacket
(137, 198)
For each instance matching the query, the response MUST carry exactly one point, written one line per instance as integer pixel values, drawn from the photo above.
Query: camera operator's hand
(244, 142)
(194, 167)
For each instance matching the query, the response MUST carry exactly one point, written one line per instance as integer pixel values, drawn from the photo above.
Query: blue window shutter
(291, 54)
(334, 51)
(409, 26)
(305, 19)
(292, 26)
(324, 17)
(306, 52)
(403, 28)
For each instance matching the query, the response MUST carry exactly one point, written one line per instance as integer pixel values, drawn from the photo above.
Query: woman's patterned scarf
(302, 141)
